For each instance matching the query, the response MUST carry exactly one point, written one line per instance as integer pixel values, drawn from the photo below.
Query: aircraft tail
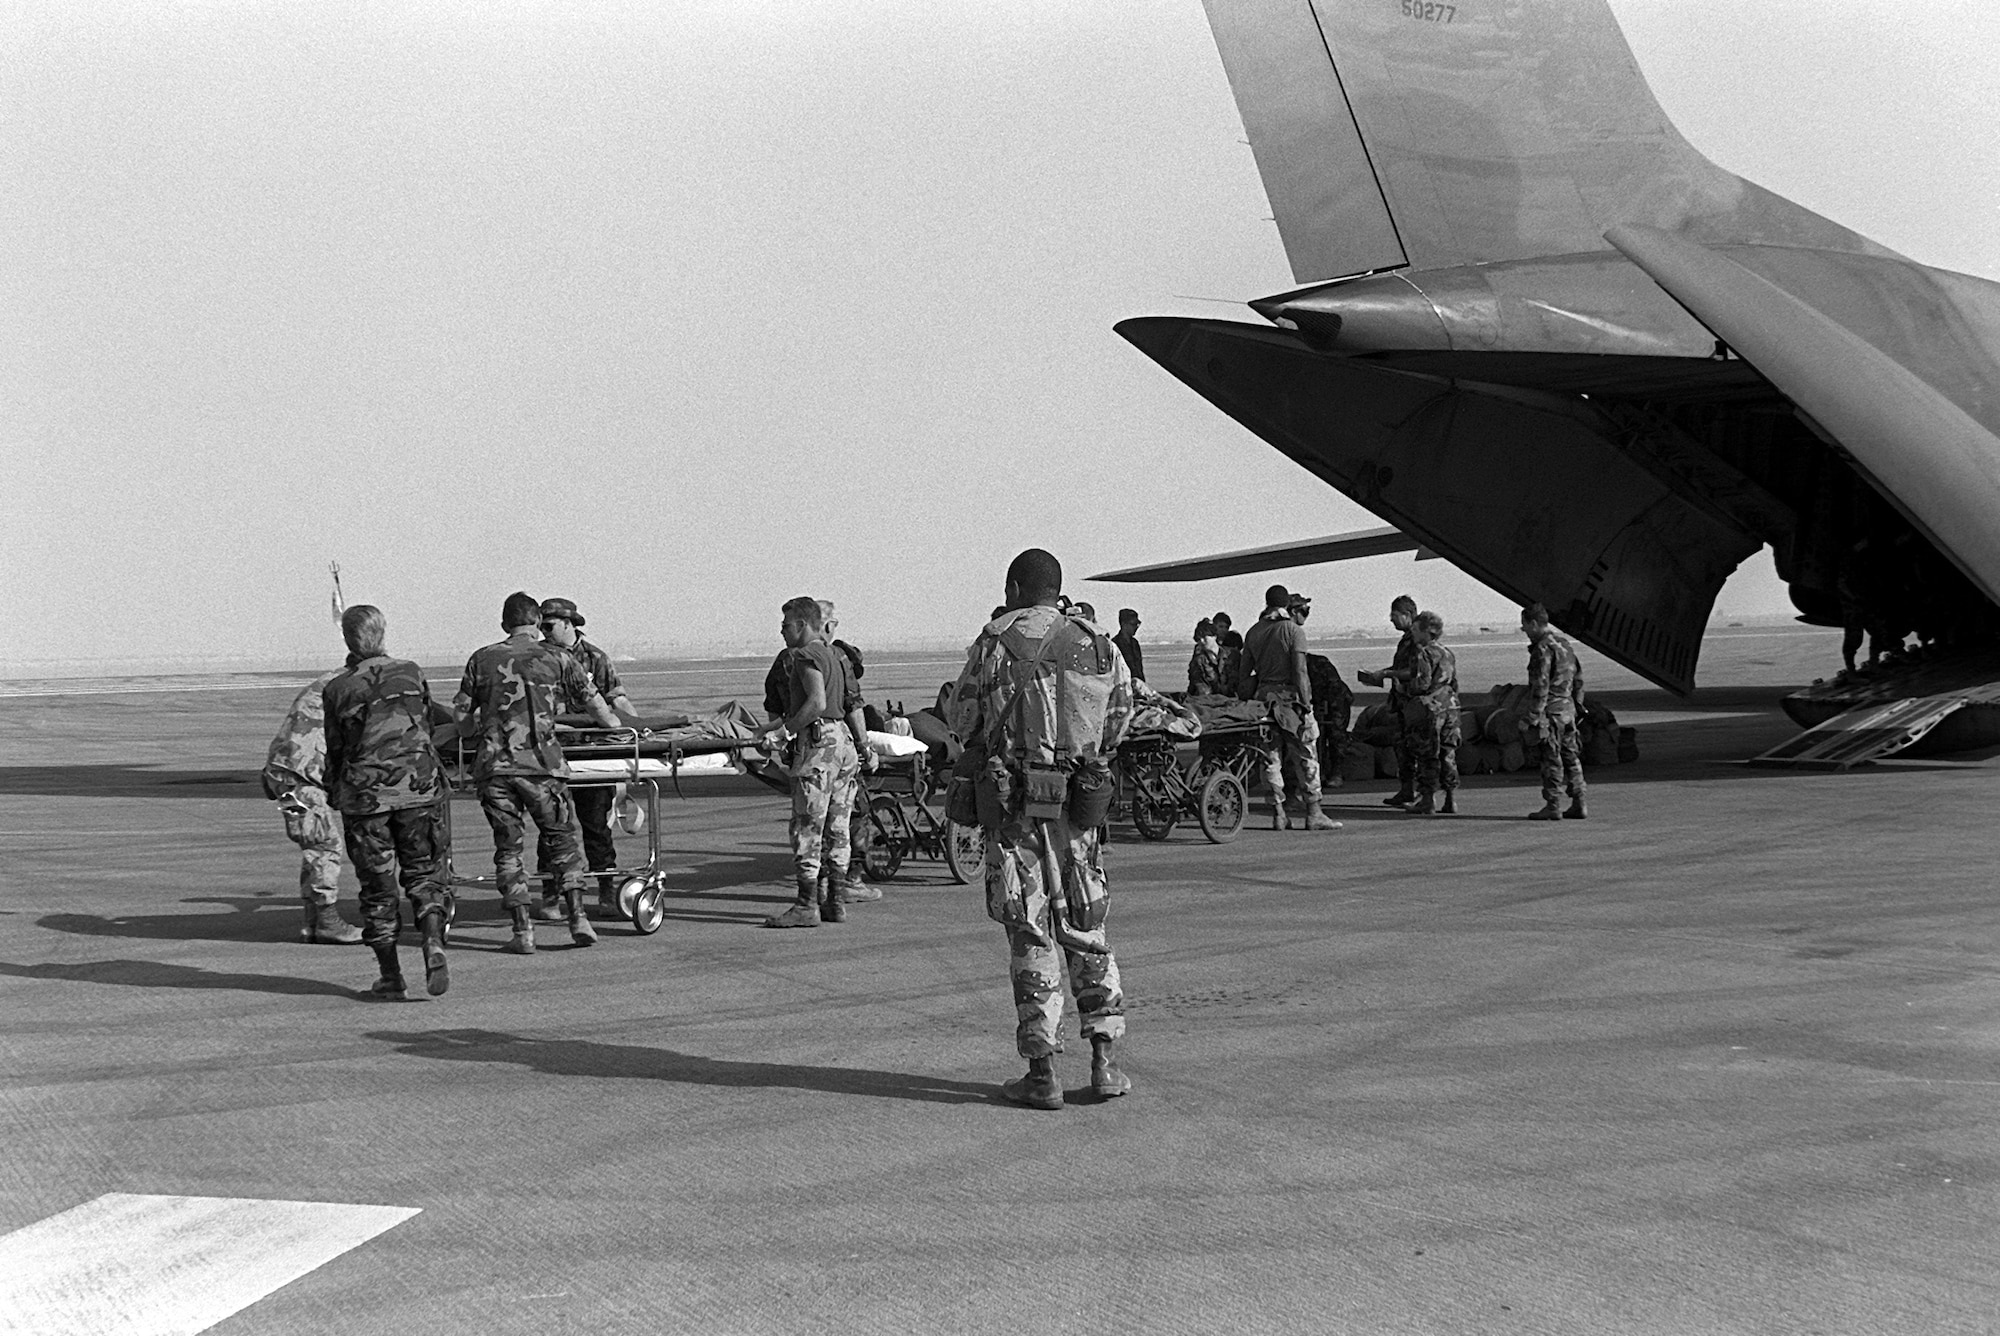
(1393, 133)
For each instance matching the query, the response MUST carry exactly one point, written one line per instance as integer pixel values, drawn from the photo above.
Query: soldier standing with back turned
(562, 627)
(1045, 698)
(509, 697)
(1555, 683)
(384, 775)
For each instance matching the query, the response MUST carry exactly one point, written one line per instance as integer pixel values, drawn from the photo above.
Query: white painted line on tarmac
(169, 1266)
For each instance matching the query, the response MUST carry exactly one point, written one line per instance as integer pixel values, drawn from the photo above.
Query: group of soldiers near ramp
(1041, 706)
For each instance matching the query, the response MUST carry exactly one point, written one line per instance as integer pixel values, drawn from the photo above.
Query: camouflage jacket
(983, 712)
(510, 696)
(1555, 676)
(1205, 672)
(298, 753)
(1433, 680)
(596, 665)
(379, 755)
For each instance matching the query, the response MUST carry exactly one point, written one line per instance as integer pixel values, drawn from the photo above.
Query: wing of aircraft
(1276, 557)
(1543, 337)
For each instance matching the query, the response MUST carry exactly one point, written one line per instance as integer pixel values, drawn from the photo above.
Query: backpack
(1062, 691)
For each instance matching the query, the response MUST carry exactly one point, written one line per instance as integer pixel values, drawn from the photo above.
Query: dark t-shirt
(836, 673)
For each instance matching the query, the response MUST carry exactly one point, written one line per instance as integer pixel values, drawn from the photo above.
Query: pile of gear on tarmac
(1494, 741)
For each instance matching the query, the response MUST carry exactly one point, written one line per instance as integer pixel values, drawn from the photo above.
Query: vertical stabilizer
(1434, 134)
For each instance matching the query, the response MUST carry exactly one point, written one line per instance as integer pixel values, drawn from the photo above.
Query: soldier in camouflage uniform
(1402, 611)
(851, 889)
(510, 696)
(1050, 928)
(384, 775)
(824, 759)
(1429, 692)
(1555, 681)
(295, 778)
(562, 628)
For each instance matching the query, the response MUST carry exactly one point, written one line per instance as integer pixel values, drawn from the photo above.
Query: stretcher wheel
(648, 909)
(882, 846)
(964, 851)
(1222, 807)
(628, 894)
(1155, 820)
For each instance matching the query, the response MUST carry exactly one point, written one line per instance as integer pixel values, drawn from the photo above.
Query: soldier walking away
(384, 775)
(509, 698)
(1402, 611)
(824, 758)
(1555, 681)
(1275, 672)
(562, 627)
(1429, 691)
(295, 778)
(1044, 701)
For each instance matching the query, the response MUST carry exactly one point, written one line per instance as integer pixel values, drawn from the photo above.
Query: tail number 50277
(1428, 11)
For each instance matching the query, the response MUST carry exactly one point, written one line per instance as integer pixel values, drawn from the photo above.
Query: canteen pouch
(961, 794)
(1047, 788)
(995, 794)
(1086, 899)
(1090, 790)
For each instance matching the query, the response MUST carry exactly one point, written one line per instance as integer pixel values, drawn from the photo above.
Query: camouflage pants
(1433, 745)
(315, 828)
(511, 800)
(1043, 946)
(1562, 757)
(386, 847)
(824, 781)
(1298, 745)
(593, 814)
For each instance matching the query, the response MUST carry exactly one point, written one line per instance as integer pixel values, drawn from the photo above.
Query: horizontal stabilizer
(1277, 557)
(1927, 457)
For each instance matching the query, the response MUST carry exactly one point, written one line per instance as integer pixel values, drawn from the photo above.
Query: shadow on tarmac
(576, 1057)
(154, 974)
(246, 922)
(125, 781)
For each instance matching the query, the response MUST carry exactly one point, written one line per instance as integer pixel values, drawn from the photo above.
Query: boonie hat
(563, 608)
(1297, 601)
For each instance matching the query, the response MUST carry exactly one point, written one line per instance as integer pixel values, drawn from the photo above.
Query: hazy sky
(678, 310)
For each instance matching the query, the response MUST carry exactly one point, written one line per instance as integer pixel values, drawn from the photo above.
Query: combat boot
(607, 896)
(437, 977)
(854, 891)
(522, 943)
(1038, 1088)
(1546, 812)
(1402, 797)
(1450, 806)
(1314, 819)
(390, 987)
(1106, 1080)
(1576, 811)
(325, 927)
(580, 931)
(804, 912)
(1425, 804)
(551, 910)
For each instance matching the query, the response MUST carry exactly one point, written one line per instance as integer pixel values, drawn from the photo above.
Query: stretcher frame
(640, 887)
(1213, 790)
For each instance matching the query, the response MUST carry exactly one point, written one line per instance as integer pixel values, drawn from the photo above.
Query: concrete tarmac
(1723, 1058)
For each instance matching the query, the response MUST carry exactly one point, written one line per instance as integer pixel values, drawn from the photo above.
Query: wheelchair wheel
(964, 851)
(648, 911)
(1154, 819)
(886, 837)
(1222, 807)
(628, 894)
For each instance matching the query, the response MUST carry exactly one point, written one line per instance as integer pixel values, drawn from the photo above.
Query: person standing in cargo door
(562, 629)
(824, 756)
(1275, 671)
(509, 698)
(1555, 698)
(1045, 698)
